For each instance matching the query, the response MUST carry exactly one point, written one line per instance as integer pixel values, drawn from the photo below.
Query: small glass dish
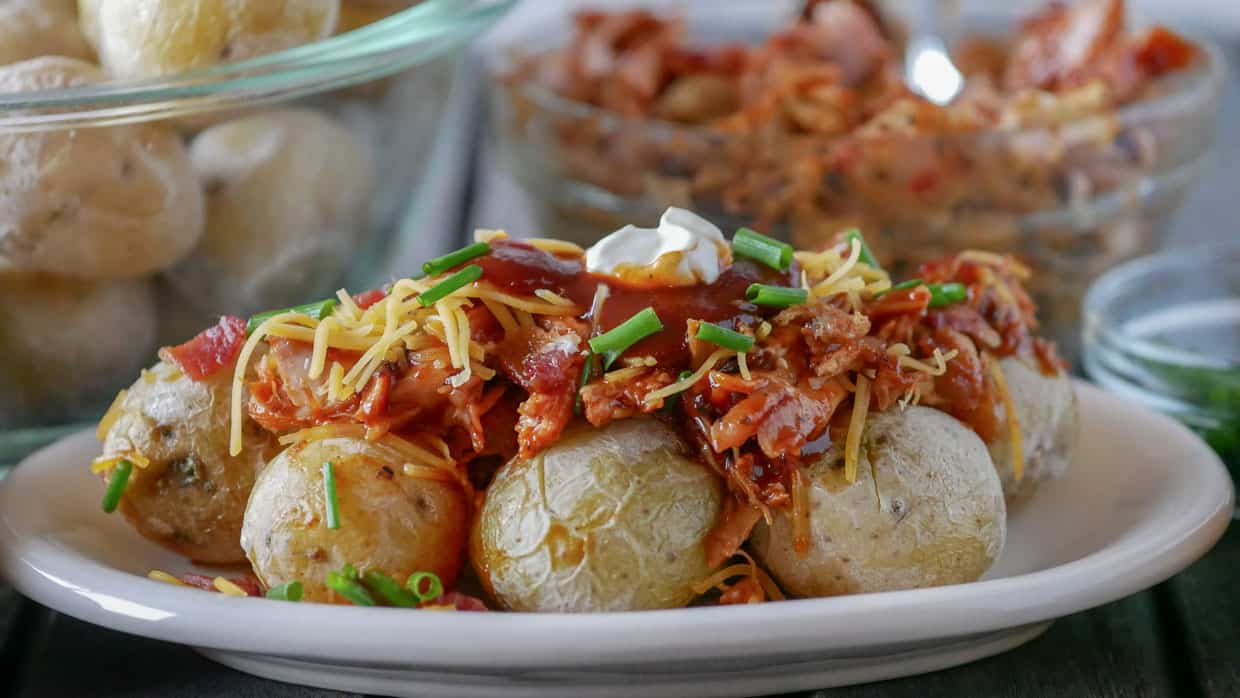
(1165, 331)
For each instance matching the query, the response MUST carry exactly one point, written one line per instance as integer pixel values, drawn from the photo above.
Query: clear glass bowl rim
(1103, 334)
(404, 39)
(1193, 91)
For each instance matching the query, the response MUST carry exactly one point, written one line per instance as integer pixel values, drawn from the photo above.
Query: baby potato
(926, 509)
(287, 200)
(65, 341)
(1046, 409)
(192, 495)
(389, 521)
(605, 520)
(34, 28)
(150, 38)
(96, 203)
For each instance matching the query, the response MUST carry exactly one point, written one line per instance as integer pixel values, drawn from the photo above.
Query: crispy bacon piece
(606, 401)
(212, 349)
(546, 361)
(1057, 47)
(366, 299)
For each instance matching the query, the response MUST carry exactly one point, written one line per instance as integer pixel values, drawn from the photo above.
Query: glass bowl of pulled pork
(1075, 136)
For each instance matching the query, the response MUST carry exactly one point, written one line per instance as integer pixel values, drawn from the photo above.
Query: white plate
(1144, 499)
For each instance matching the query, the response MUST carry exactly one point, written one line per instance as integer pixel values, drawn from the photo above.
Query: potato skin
(192, 496)
(611, 519)
(1048, 413)
(95, 203)
(33, 28)
(151, 38)
(66, 342)
(938, 518)
(288, 193)
(388, 521)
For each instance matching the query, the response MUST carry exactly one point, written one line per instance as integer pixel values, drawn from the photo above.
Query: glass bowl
(1071, 198)
(134, 212)
(1165, 331)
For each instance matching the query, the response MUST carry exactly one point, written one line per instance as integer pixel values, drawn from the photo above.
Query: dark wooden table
(1181, 638)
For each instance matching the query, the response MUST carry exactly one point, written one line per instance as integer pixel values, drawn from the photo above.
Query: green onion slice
(722, 336)
(586, 370)
(289, 591)
(946, 294)
(615, 341)
(902, 286)
(329, 496)
(434, 587)
(866, 256)
(317, 310)
(441, 264)
(439, 291)
(347, 586)
(116, 485)
(776, 296)
(758, 247)
(388, 589)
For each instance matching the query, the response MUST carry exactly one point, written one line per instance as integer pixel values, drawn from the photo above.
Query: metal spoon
(928, 67)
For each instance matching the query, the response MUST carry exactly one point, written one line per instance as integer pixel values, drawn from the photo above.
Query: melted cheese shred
(856, 425)
(682, 385)
(110, 417)
(1013, 422)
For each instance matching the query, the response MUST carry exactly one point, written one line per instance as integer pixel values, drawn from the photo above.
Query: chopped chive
(317, 310)
(586, 370)
(436, 293)
(289, 591)
(866, 256)
(439, 265)
(347, 586)
(349, 571)
(756, 246)
(329, 496)
(722, 336)
(946, 294)
(434, 587)
(615, 341)
(776, 296)
(388, 589)
(902, 286)
(116, 485)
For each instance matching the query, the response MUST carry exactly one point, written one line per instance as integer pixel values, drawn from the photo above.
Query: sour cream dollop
(684, 250)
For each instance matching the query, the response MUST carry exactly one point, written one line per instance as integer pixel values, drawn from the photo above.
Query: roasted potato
(34, 28)
(605, 520)
(192, 495)
(64, 342)
(287, 199)
(925, 510)
(95, 203)
(150, 38)
(389, 521)
(1046, 410)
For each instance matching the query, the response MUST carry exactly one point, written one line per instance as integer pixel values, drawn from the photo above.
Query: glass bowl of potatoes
(166, 162)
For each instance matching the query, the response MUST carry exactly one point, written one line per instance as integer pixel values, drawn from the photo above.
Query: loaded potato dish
(666, 418)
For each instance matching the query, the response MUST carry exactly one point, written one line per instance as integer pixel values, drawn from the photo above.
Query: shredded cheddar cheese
(226, 587)
(856, 425)
(682, 385)
(162, 576)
